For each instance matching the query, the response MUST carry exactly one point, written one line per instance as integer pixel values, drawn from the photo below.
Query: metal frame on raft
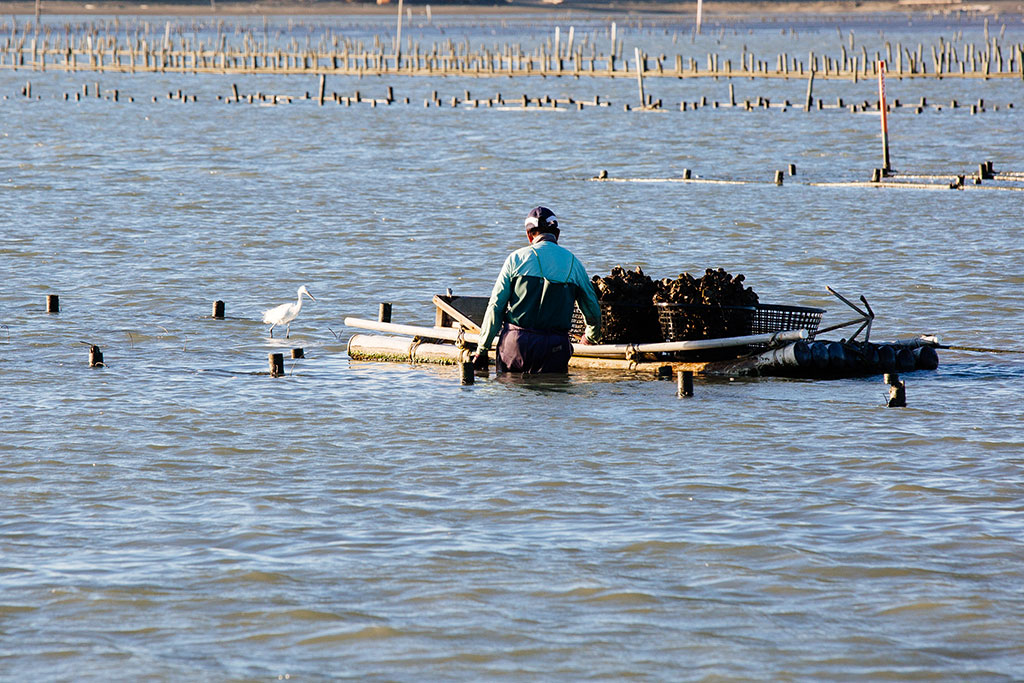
(785, 353)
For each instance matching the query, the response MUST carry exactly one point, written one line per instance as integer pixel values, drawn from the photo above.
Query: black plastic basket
(686, 322)
(622, 324)
(772, 318)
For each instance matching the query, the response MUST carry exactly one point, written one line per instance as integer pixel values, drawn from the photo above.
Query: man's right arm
(494, 317)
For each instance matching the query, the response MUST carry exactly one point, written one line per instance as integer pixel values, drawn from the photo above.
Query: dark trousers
(532, 351)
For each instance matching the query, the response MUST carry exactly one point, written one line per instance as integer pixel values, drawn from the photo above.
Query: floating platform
(788, 353)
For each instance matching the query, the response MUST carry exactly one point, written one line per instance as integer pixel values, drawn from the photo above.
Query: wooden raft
(444, 343)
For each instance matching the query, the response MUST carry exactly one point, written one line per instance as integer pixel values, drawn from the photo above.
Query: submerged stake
(276, 364)
(897, 391)
(684, 381)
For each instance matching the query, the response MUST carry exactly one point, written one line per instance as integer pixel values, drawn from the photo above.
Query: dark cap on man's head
(541, 218)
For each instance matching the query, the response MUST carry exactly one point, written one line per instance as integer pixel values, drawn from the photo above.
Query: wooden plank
(467, 310)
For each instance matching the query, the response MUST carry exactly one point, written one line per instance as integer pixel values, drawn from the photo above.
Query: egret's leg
(288, 331)
(272, 330)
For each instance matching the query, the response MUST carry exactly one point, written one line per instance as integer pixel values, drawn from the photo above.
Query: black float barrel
(905, 361)
(819, 356)
(801, 352)
(886, 358)
(870, 354)
(926, 358)
(836, 357)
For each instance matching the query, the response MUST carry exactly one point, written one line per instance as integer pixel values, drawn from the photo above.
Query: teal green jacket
(536, 289)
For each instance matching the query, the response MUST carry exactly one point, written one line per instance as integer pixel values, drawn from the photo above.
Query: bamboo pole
(398, 38)
(92, 52)
(598, 350)
(885, 118)
(640, 77)
(377, 347)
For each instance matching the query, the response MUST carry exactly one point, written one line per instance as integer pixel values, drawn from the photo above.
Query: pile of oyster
(637, 309)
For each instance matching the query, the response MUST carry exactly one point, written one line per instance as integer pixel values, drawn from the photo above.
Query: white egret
(285, 313)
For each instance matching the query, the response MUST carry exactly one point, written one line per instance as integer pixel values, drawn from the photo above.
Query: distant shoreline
(712, 8)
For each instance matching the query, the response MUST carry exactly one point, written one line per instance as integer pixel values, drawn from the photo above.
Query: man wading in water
(531, 304)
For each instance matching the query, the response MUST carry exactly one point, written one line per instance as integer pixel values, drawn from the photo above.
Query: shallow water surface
(178, 513)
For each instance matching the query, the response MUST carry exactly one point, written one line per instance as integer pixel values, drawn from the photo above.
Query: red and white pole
(885, 117)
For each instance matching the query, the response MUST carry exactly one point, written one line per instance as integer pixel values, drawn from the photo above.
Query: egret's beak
(311, 296)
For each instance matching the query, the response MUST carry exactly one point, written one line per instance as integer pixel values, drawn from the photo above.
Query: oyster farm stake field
(180, 513)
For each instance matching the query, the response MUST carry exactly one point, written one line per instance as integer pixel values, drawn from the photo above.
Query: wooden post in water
(640, 77)
(885, 118)
(466, 372)
(684, 383)
(218, 309)
(52, 303)
(323, 85)
(384, 313)
(298, 353)
(398, 38)
(276, 364)
(810, 91)
(897, 391)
